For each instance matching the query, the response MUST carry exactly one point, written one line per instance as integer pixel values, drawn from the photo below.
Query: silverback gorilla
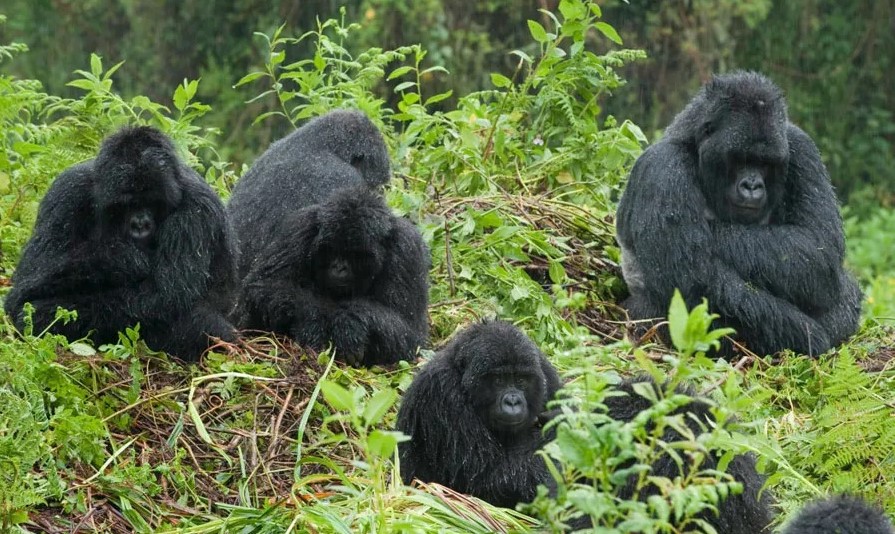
(840, 514)
(326, 260)
(133, 236)
(734, 205)
(472, 415)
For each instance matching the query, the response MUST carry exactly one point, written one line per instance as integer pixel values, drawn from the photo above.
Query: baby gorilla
(472, 415)
(133, 236)
(841, 514)
(347, 271)
(746, 513)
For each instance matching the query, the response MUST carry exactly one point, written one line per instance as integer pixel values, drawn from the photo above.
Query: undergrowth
(514, 190)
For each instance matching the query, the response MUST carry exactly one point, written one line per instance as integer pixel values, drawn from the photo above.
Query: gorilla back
(734, 205)
(133, 236)
(340, 149)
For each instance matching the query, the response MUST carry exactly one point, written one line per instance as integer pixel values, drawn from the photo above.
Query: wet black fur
(384, 321)
(180, 287)
(452, 442)
(340, 149)
(781, 285)
(840, 514)
(312, 192)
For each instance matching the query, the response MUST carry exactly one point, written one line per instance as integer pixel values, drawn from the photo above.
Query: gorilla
(132, 236)
(840, 514)
(747, 513)
(472, 415)
(340, 149)
(734, 205)
(347, 271)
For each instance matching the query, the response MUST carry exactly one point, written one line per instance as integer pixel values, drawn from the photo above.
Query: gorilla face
(743, 155)
(504, 380)
(348, 273)
(135, 223)
(508, 401)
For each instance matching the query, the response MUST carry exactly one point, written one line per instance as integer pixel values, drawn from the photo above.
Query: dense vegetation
(513, 184)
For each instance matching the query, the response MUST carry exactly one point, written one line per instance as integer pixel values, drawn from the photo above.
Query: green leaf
(499, 80)
(181, 99)
(439, 97)
(337, 396)
(519, 292)
(572, 9)
(403, 86)
(82, 349)
(677, 320)
(609, 32)
(537, 31)
(249, 78)
(382, 443)
(96, 65)
(557, 272)
(197, 421)
(400, 71)
(378, 406)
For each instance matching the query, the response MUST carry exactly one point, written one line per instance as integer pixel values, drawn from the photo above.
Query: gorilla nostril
(512, 401)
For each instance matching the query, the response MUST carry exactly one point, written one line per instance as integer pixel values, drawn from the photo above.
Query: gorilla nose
(751, 188)
(512, 403)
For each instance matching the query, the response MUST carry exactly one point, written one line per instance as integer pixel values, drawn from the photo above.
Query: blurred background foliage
(834, 59)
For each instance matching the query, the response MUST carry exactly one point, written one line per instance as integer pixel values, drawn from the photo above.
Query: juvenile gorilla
(345, 270)
(340, 149)
(734, 205)
(133, 236)
(840, 514)
(746, 513)
(472, 415)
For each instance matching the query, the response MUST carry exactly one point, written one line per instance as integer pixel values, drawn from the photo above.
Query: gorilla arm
(662, 210)
(798, 259)
(272, 297)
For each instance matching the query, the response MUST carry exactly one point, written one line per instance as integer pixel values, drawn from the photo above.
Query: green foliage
(597, 456)
(513, 186)
(690, 332)
(833, 422)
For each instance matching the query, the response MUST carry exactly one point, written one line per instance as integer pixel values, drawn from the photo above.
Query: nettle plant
(514, 180)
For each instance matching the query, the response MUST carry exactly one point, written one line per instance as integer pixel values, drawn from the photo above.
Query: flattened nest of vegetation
(587, 234)
(221, 429)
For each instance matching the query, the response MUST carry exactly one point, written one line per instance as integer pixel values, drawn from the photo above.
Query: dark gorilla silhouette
(472, 415)
(340, 149)
(746, 513)
(840, 514)
(735, 205)
(345, 270)
(133, 236)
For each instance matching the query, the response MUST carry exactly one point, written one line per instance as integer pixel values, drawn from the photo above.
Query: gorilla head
(503, 378)
(351, 244)
(737, 124)
(136, 185)
(472, 415)
(840, 514)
